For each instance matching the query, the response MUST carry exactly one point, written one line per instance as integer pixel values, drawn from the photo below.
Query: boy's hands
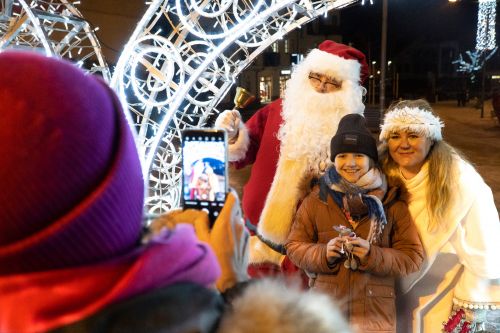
(338, 246)
(335, 248)
(361, 247)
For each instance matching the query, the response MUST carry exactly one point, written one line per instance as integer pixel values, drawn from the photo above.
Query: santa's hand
(229, 121)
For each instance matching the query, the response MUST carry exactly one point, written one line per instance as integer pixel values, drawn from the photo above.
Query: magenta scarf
(37, 302)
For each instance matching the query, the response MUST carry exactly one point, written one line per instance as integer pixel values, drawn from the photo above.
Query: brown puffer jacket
(366, 295)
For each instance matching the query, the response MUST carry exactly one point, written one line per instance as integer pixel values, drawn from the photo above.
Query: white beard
(310, 119)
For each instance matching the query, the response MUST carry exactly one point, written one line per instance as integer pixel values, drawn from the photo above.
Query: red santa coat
(263, 151)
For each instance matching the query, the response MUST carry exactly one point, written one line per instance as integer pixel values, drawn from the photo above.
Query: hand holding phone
(228, 237)
(204, 170)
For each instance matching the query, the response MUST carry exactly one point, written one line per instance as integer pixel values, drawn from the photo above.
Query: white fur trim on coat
(411, 119)
(261, 253)
(281, 204)
(238, 149)
(337, 67)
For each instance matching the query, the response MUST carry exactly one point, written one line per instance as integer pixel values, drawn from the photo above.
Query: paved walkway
(478, 138)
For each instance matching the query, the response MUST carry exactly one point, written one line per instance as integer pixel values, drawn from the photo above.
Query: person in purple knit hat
(72, 254)
(71, 215)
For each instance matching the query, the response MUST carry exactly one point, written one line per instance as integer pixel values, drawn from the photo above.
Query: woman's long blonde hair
(443, 171)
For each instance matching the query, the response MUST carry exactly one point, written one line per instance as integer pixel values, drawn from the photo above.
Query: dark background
(417, 31)
(410, 21)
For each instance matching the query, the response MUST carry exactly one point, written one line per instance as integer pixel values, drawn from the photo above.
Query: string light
(213, 42)
(32, 25)
(485, 39)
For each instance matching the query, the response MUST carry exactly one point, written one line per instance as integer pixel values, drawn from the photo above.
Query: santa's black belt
(275, 247)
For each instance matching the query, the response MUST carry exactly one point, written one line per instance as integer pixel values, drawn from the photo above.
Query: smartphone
(204, 170)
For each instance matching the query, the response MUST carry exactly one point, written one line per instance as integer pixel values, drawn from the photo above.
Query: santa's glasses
(317, 80)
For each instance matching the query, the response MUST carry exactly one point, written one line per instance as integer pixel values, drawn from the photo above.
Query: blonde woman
(456, 218)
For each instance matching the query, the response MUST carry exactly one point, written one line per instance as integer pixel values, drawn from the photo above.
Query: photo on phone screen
(204, 170)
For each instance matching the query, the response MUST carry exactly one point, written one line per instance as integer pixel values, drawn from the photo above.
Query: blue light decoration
(485, 40)
(181, 60)
(54, 27)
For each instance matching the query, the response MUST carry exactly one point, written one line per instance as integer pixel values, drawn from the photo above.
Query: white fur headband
(411, 119)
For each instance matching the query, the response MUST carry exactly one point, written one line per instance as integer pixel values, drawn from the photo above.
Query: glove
(230, 121)
(228, 237)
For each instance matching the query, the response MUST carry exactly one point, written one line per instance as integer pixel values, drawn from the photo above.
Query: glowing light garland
(182, 59)
(485, 40)
(56, 28)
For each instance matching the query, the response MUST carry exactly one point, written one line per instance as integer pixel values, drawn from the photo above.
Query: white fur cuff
(238, 149)
(337, 67)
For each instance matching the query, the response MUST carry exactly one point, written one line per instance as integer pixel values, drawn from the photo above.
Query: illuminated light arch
(173, 78)
(54, 27)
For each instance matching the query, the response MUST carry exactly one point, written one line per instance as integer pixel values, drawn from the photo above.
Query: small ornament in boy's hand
(343, 230)
(350, 262)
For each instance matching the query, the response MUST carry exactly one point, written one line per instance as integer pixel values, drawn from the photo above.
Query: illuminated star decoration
(485, 40)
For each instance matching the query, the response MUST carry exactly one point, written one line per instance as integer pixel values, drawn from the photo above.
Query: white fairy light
(215, 41)
(33, 23)
(485, 39)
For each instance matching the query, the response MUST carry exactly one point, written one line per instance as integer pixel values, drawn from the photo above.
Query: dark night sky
(408, 21)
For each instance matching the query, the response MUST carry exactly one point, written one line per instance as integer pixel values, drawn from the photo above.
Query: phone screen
(204, 170)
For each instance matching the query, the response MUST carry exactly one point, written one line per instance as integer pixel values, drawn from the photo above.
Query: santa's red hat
(337, 60)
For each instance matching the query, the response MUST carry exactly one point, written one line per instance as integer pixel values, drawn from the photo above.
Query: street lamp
(383, 60)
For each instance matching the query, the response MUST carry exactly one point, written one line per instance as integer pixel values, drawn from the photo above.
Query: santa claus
(288, 141)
